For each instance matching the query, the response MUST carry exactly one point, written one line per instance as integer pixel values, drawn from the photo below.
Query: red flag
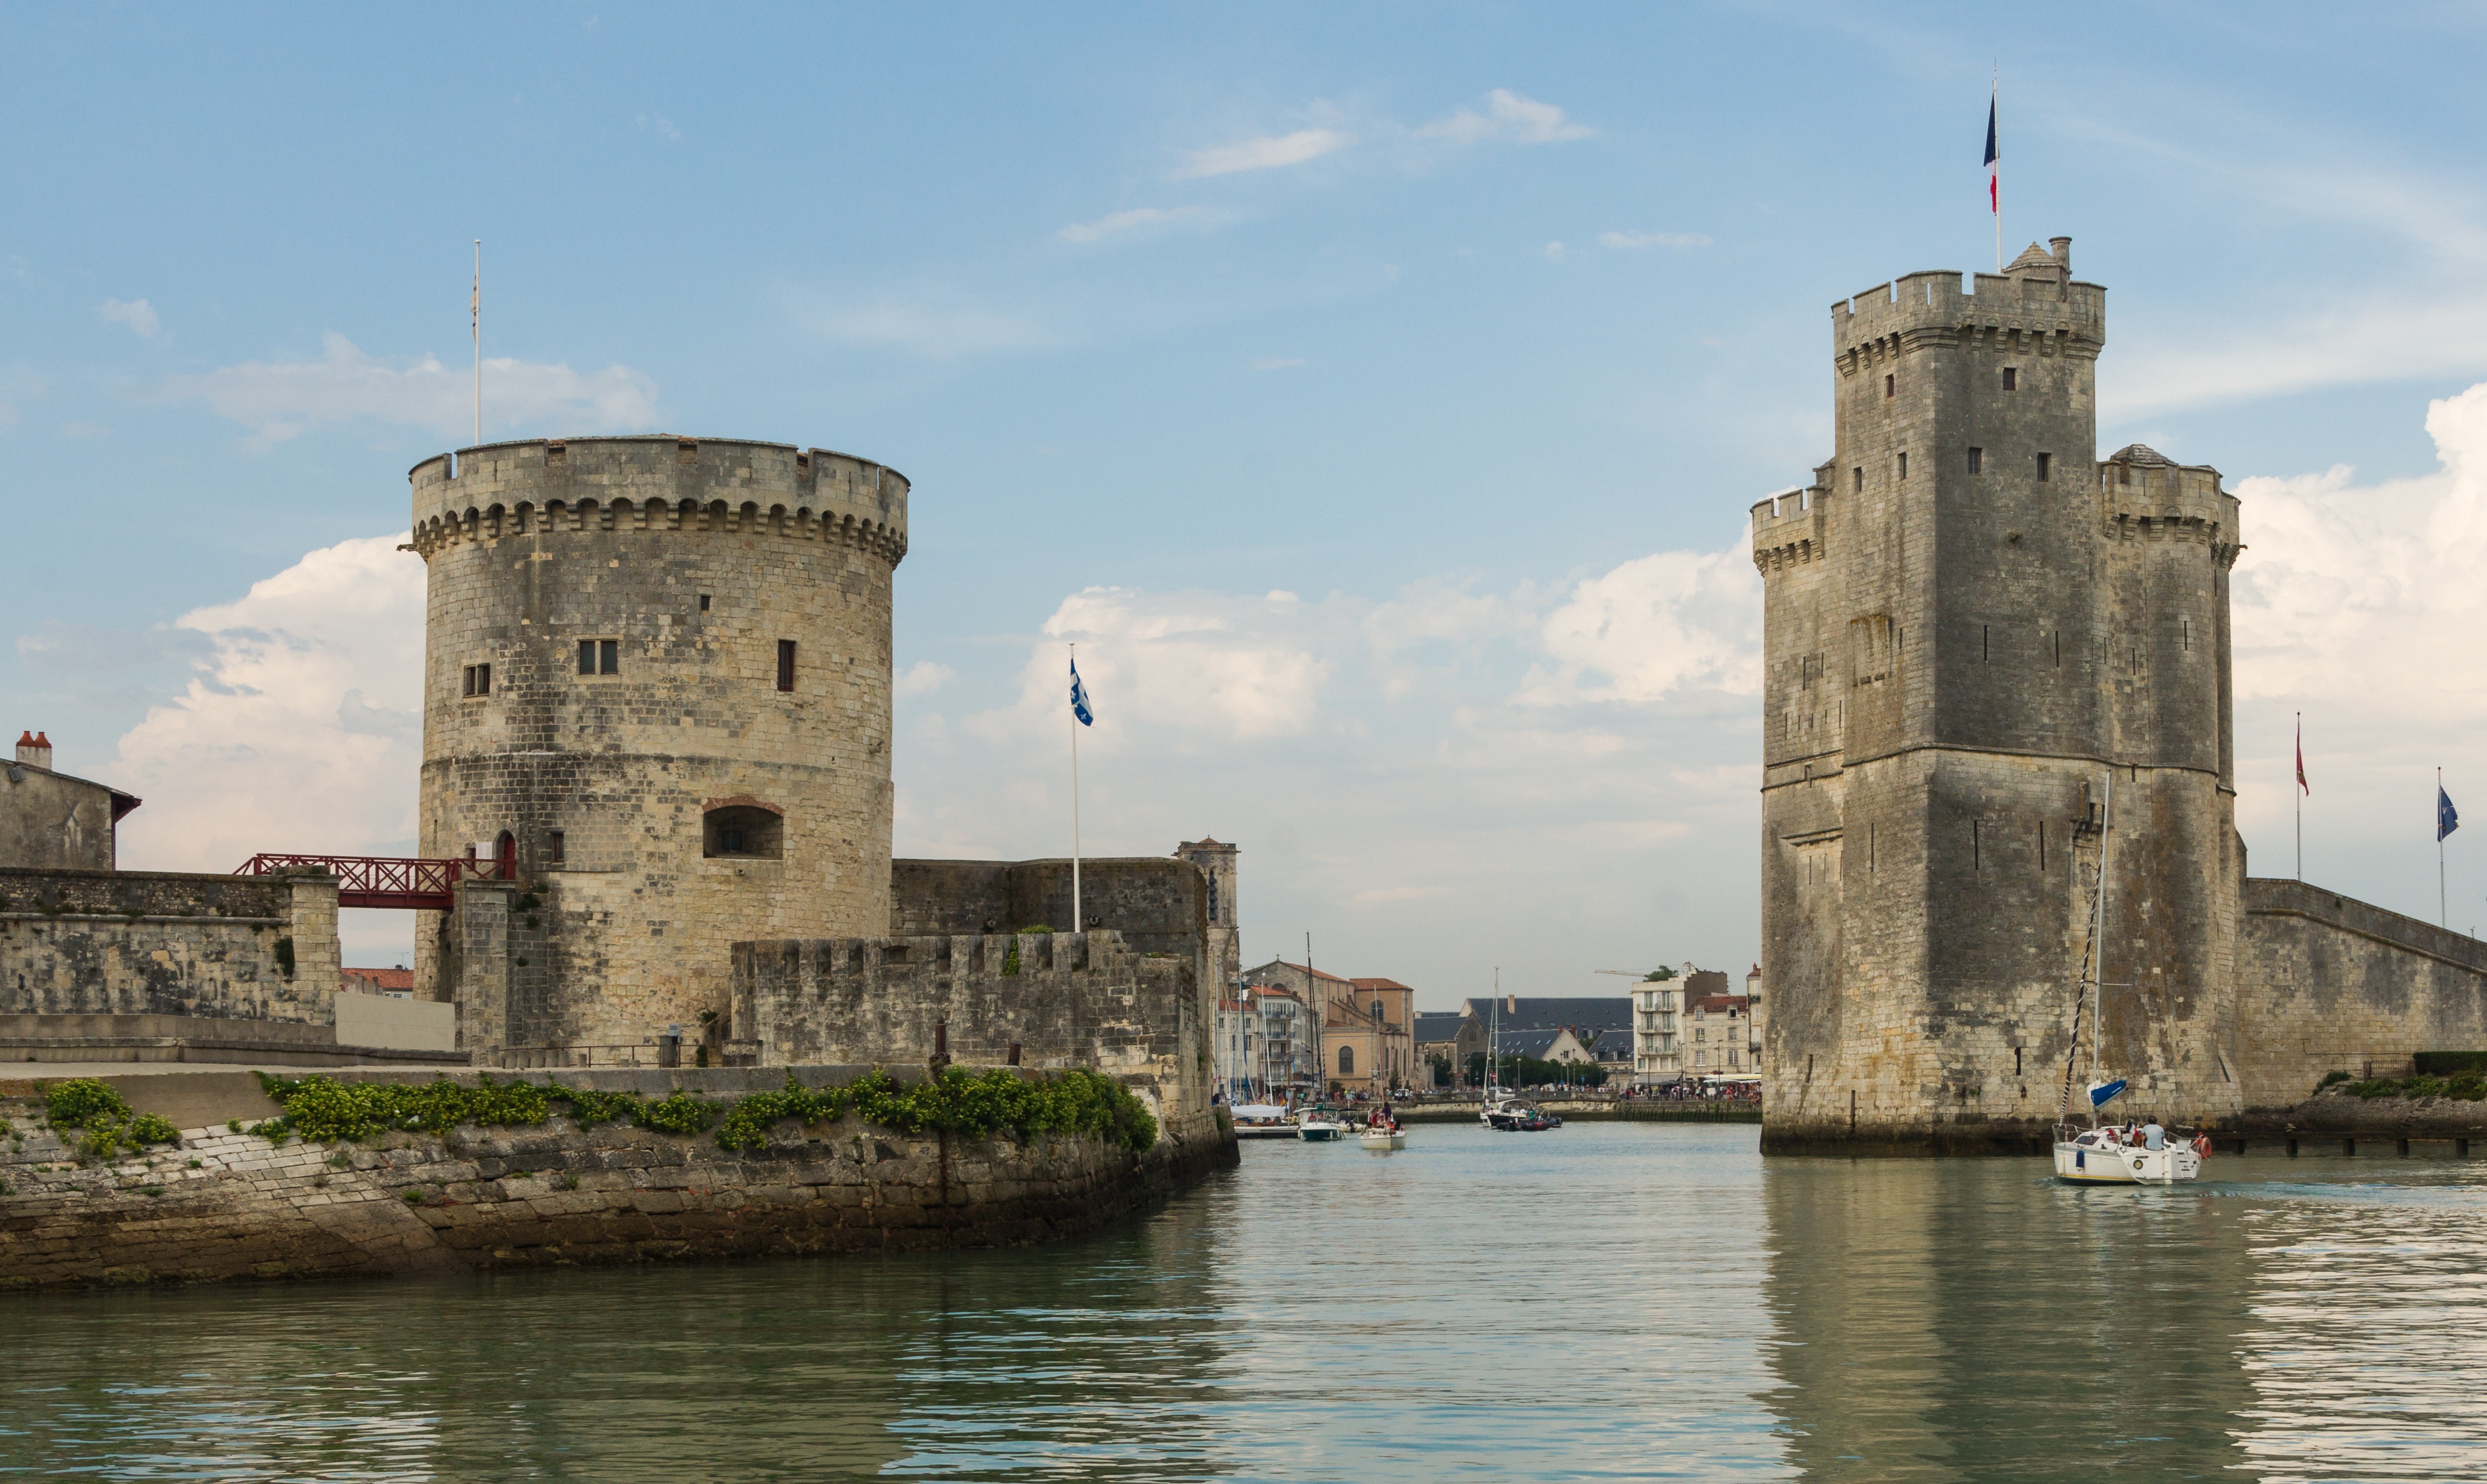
(2300, 758)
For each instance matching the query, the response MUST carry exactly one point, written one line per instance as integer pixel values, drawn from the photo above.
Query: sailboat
(2102, 1154)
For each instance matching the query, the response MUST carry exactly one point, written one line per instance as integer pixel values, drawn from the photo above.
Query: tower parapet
(658, 483)
(2035, 303)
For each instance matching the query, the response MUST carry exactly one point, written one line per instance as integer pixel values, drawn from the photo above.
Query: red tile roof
(1380, 984)
(383, 978)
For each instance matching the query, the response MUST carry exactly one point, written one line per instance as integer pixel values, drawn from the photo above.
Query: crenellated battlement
(2145, 496)
(1787, 529)
(657, 484)
(2035, 303)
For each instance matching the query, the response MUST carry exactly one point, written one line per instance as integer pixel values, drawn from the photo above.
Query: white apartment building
(1721, 1037)
(1659, 1033)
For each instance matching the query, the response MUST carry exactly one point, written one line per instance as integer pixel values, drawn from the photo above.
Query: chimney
(35, 750)
(2063, 248)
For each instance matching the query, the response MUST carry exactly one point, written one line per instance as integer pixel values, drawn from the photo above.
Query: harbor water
(1602, 1301)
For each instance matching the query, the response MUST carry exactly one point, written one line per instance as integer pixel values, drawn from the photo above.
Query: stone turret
(657, 685)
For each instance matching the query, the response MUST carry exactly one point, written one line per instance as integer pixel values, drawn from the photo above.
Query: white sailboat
(2102, 1154)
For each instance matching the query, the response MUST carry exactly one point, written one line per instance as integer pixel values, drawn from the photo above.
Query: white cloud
(1554, 252)
(660, 123)
(1422, 778)
(2361, 607)
(923, 678)
(1635, 241)
(280, 400)
(137, 314)
(1508, 119)
(302, 729)
(1135, 219)
(1273, 152)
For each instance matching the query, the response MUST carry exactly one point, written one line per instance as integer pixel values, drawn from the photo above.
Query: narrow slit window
(1904, 465)
(1985, 655)
(2011, 379)
(1890, 386)
(1977, 461)
(785, 665)
(2044, 461)
(587, 657)
(609, 656)
(703, 602)
(1857, 479)
(556, 848)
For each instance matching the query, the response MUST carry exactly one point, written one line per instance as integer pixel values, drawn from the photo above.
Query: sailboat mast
(2098, 926)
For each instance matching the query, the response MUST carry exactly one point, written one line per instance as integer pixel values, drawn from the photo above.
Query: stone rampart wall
(1158, 905)
(1050, 999)
(135, 943)
(2335, 984)
(479, 1199)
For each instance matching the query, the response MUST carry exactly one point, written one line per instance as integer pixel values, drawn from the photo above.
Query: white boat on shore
(1317, 1128)
(1261, 1120)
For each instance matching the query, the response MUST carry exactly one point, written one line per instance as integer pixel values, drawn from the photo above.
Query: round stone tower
(657, 686)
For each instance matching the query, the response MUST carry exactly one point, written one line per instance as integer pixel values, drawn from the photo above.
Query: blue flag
(1079, 698)
(2447, 819)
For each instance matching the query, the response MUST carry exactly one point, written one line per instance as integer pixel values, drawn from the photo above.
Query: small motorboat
(1535, 1122)
(1320, 1126)
(1502, 1111)
(1383, 1141)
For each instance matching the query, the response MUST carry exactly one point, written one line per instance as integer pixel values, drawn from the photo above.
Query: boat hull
(1383, 1143)
(2092, 1165)
(1320, 1132)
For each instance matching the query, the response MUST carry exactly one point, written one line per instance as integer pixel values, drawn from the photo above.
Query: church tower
(1973, 631)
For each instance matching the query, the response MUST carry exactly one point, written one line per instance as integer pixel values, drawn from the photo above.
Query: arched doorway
(505, 856)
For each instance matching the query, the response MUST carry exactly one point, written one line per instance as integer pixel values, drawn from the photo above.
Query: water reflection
(1598, 1303)
(1973, 1320)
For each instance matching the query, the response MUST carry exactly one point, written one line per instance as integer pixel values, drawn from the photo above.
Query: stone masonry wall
(138, 942)
(2332, 984)
(1061, 999)
(695, 559)
(1158, 905)
(228, 1205)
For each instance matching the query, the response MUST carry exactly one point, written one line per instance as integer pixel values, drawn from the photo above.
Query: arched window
(505, 853)
(742, 827)
(1346, 1061)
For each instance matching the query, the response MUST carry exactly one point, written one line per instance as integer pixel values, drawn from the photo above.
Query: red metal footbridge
(388, 880)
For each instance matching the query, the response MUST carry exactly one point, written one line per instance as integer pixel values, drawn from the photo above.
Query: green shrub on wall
(969, 1104)
(111, 1128)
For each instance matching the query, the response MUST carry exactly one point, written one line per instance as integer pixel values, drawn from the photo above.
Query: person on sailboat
(2153, 1136)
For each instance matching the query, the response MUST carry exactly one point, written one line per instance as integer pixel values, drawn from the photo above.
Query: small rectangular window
(2043, 461)
(785, 665)
(2011, 379)
(470, 681)
(1890, 383)
(703, 602)
(483, 680)
(1976, 460)
(1857, 479)
(587, 657)
(608, 656)
(556, 847)
(1904, 466)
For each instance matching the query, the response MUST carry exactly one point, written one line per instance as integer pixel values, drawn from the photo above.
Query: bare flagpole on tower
(475, 324)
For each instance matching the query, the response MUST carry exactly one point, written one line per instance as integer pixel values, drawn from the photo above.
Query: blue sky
(1471, 331)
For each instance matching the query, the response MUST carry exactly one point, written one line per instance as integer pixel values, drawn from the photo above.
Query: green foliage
(1039, 928)
(1010, 959)
(2332, 1079)
(81, 1100)
(1532, 1072)
(972, 1105)
(2465, 1086)
(1659, 975)
(2448, 1063)
(85, 1102)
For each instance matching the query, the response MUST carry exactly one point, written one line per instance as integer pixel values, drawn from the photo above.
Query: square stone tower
(1971, 624)
(1217, 861)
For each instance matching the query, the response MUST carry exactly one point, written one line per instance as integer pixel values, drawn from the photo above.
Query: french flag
(1994, 196)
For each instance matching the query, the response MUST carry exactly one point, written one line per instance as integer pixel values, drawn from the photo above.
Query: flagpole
(1075, 918)
(2443, 911)
(2299, 797)
(1995, 107)
(476, 309)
